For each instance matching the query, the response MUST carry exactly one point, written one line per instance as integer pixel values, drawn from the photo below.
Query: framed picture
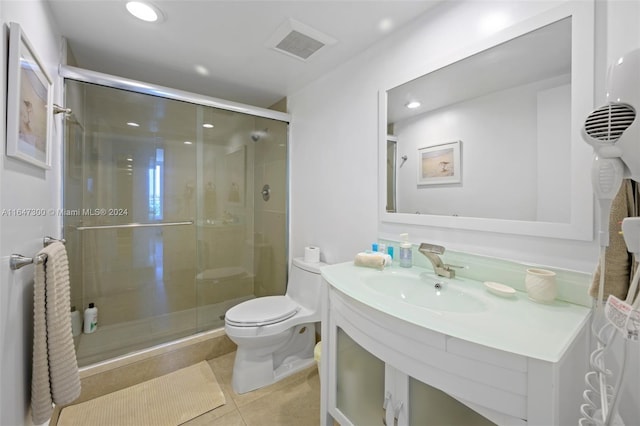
(439, 164)
(29, 103)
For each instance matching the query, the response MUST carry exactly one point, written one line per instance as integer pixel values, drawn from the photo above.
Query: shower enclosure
(174, 209)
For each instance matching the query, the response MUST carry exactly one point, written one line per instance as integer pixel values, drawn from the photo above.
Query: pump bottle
(406, 256)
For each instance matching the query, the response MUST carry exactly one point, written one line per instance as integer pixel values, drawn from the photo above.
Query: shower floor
(119, 339)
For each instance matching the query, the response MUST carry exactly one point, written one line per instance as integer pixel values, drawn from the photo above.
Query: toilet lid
(261, 311)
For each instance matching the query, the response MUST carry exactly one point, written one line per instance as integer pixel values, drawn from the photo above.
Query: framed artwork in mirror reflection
(29, 103)
(439, 164)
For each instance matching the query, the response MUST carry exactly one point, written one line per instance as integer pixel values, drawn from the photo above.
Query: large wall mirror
(494, 144)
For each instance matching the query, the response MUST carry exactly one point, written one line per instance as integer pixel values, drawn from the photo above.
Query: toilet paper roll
(312, 254)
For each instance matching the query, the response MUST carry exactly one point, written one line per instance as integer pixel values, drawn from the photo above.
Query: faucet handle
(456, 266)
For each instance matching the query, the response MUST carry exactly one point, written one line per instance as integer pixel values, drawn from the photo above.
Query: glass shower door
(242, 217)
(130, 204)
(175, 212)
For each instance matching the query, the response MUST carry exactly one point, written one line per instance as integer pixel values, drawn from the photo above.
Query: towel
(55, 368)
(618, 261)
(372, 260)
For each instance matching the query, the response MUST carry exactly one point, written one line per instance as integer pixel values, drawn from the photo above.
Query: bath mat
(169, 400)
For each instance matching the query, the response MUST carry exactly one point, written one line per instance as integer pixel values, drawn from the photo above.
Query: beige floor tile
(223, 369)
(297, 404)
(232, 418)
(292, 401)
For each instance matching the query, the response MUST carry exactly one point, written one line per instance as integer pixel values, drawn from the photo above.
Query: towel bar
(17, 261)
(134, 225)
(50, 240)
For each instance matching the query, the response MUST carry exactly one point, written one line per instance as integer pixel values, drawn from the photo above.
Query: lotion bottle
(406, 256)
(90, 319)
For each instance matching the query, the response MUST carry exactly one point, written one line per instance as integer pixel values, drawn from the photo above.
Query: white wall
(23, 186)
(619, 29)
(334, 144)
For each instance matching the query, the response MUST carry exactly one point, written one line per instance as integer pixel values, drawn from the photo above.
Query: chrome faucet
(432, 252)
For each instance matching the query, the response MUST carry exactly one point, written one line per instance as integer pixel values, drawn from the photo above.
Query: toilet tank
(304, 283)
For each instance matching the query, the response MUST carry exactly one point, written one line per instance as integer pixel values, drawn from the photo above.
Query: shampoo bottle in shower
(406, 256)
(90, 319)
(76, 322)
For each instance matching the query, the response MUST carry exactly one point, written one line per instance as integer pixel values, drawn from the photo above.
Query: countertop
(514, 324)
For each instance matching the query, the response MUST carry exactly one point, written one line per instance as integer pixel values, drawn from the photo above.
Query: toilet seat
(262, 311)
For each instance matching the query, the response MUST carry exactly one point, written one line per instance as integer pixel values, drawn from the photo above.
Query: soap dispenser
(406, 256)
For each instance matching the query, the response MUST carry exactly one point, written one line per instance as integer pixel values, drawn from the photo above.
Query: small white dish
(499, 289)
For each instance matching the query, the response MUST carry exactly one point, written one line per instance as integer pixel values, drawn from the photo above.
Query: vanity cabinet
(379, 369)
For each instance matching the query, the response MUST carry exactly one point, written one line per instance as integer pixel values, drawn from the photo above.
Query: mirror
(495, 143)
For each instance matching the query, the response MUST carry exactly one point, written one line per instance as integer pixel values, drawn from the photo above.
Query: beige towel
(370, 260)
(618, 260)
(55, 367)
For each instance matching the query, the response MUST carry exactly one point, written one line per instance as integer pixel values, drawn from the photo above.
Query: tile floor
(293, 401)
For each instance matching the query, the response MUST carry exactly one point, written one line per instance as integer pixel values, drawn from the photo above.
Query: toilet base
(244, 382)
(253, 370)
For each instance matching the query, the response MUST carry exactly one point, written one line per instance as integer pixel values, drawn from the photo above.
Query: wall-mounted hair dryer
(614, 133)
(615, 136)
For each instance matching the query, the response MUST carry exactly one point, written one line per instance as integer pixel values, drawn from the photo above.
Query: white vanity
(399, 350)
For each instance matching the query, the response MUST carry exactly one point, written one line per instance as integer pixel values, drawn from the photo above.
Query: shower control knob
(266, 192)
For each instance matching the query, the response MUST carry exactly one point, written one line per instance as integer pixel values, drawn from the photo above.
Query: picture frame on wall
(439, 164)
(29, 102)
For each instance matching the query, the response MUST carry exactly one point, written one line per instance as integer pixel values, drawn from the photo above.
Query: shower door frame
(101, 79)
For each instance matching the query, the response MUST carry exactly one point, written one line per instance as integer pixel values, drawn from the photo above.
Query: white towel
(55, 367)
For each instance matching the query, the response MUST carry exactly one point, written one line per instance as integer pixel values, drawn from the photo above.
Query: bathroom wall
(335, 142)
(23, 186)
(617, 32)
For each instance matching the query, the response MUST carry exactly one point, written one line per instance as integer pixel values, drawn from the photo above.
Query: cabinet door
(429, 406)
(396, 397)
(359, 383)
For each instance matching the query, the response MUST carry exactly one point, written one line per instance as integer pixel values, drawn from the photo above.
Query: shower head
(256, 135)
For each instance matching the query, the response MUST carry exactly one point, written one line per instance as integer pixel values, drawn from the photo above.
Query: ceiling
(535, 56)
(227, 38)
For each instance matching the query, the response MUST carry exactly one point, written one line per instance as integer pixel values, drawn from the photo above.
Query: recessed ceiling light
(413, 104)
(129, 159)
(493, 22)
(207, 126)
(144, 11)
(133, 124)
(188, 143)
(385, 25)
(202, 70)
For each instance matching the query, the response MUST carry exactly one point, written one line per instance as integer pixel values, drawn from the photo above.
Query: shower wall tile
(217, 291)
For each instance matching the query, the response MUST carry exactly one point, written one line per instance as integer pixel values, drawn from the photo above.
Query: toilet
(276, 334)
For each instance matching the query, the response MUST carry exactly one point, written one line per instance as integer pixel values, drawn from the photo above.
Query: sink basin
(422, 292)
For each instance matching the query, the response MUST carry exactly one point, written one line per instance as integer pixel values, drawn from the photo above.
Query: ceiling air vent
(298, 40)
